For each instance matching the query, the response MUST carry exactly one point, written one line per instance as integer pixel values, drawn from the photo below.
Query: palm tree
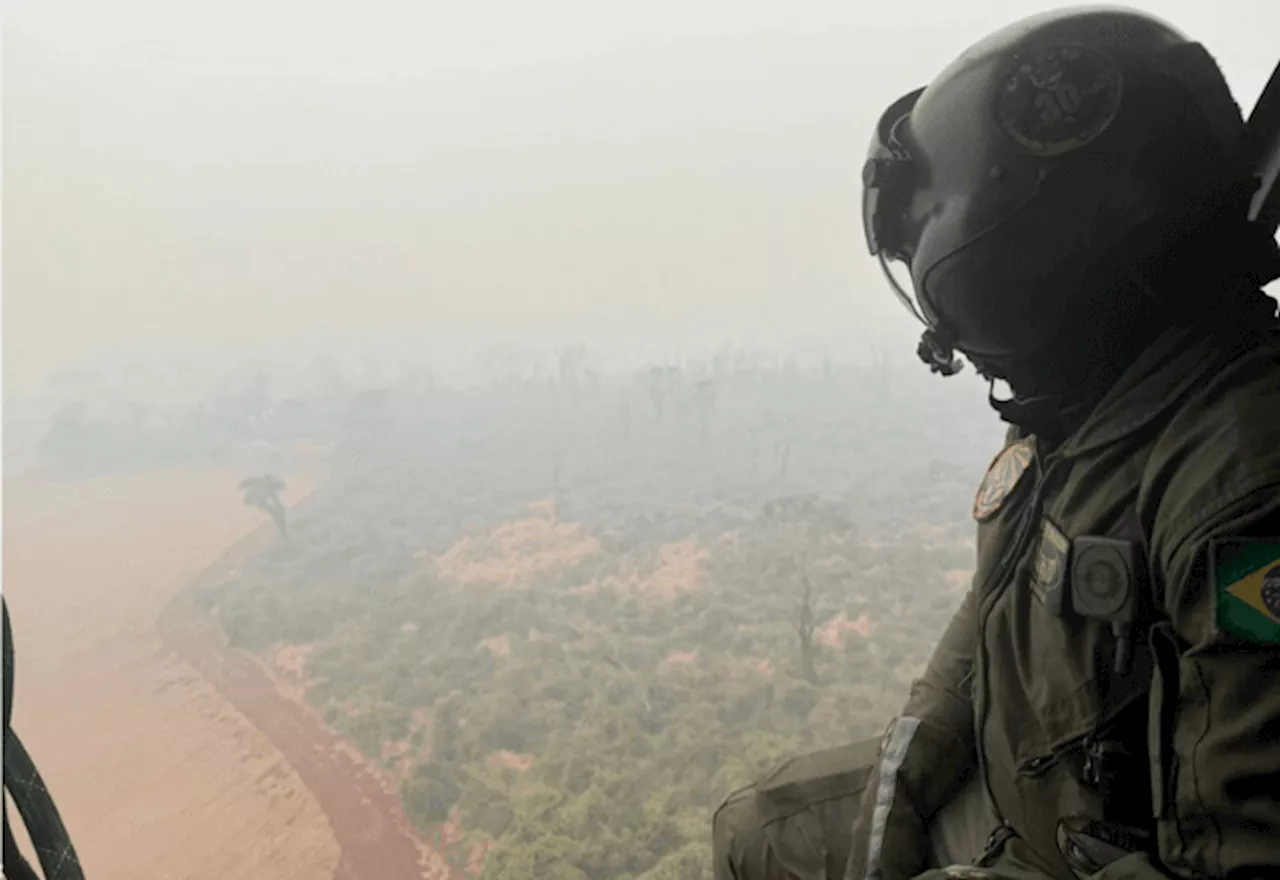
(264, 493)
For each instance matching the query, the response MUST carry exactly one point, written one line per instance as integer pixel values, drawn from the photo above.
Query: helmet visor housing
(888, 181)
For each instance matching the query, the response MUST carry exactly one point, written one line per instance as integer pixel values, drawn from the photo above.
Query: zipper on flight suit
(995, 843)
(993, 588)
(1040, 765)
(1086, 743)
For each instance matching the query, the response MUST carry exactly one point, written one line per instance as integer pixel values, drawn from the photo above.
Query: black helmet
(1047, 165)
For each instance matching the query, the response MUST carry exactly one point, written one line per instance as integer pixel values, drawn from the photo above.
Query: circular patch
(1103, 580)
(1271, 591)
(1058, 98)
(1002, 476)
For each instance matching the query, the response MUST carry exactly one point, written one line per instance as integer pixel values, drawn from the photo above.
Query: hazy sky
(208, 177)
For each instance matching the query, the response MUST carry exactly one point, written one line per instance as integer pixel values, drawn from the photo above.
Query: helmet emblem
(1058, 98)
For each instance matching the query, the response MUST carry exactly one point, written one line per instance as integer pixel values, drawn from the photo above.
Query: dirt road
(373, 833)
(158, 774)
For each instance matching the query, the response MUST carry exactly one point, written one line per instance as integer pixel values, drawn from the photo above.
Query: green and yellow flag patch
(1246, 578)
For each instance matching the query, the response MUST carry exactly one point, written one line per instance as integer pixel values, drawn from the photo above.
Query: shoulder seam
(1236, 494)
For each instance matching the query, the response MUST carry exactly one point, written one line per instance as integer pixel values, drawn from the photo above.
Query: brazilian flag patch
(1246, 576)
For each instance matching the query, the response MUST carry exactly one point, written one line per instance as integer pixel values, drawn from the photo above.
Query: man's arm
(1215, 746)
(925, 758)
(1212, 494)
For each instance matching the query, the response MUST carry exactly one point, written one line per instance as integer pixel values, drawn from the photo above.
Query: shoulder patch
(1003, 475)
(1246, 582)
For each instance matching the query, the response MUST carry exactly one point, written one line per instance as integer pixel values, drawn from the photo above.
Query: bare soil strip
(171, 757)
(374, 835)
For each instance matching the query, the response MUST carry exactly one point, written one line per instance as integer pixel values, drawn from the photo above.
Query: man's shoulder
(1219, 449)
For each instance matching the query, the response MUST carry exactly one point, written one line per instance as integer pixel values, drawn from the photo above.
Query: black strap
(58, 859)
(57, 856)
(16, 867)
(8, 663)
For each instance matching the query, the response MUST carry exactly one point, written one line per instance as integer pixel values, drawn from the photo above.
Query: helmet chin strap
(1049, 414)
(1051, 417)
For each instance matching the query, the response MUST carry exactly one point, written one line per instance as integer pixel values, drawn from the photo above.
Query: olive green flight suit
(1180, 462)
(797, 822)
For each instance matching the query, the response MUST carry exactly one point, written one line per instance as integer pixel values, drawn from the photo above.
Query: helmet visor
(898, 274)
(887, 187)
